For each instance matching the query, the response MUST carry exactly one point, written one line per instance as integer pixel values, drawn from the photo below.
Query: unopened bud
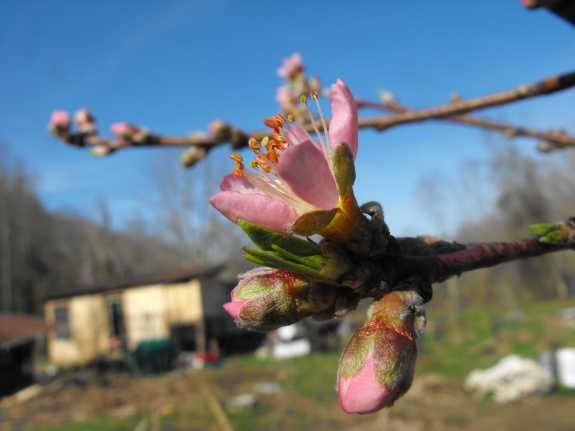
(85, 121)
(192, 156)
(124, 130)
(266, 299)
(377, 366)
(101, 150)
(546, 146)
(220, 130)
(60, 120)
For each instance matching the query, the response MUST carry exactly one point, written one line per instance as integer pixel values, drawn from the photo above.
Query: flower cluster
(299, 186)
(287, 95)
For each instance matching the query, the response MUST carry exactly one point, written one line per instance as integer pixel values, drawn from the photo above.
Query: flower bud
(60, 120)
(192, 156)
(220, 130)
(101, 150)
(377, 366)
(85, 121)
(266, 299)
(124, 130)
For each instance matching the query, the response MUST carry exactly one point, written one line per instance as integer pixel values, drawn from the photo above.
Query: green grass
(100, 424)
(454, 345)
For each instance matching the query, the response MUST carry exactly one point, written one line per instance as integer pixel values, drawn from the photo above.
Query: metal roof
(177, 276)
(15, 330)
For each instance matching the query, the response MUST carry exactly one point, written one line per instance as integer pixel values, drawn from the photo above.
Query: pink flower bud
(285, 95)
(124, 130)
(377, 366)
(60, 119)
(266, 299)
(85, 121)
(291, 66)
(220, 130)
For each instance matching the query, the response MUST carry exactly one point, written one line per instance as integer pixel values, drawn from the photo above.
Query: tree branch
(550, 141)
(546, 86)
(484, 255)
(563, 8)
(450, 112)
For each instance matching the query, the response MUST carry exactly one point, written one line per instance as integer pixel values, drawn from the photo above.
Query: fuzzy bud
(124, 130)
(60, 120)
(220, 130)
(85, 121)
(266, 299)
(101, 150)
(192, 156)
(377, 366)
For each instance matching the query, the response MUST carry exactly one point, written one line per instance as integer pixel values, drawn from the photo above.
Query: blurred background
(86, 241)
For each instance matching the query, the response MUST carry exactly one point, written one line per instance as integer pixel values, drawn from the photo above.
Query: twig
(546, 86)
(484, 255)
(217, 410)
(563, 8)
(239, 138)
(556, 139)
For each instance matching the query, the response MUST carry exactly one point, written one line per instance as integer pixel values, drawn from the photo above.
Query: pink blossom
(377, 366)
(295, 176)
(266, 299)
(124, 129)
(284, 95)
(291, 66)
(60, 119)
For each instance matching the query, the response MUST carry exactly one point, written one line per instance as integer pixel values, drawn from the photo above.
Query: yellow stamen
(290, 117)
(303, 99)
(236, 157)
(237, 173)
(313, 95)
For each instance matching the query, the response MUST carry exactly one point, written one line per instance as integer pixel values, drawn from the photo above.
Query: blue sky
(174, 66)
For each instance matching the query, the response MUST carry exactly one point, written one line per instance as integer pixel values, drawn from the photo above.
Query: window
(62, 323)
(116, 317)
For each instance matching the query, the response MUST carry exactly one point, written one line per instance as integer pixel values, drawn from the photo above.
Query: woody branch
(456, 111)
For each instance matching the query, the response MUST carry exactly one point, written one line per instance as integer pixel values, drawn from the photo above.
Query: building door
(116, 318)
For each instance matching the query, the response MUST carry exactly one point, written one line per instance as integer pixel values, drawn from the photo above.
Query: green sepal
(254, 260)
(343, 168)
(542, 229)
(276, 261)
(264, 238)
(313, 222)
(309, 261)
(552, 233)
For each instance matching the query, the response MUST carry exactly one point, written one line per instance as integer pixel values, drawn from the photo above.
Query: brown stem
(557, 139)
(546, 86)
(564, 8)
(439, 267)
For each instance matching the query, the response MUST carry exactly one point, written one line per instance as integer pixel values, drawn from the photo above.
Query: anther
(303, 99)
(254, 145)
(236, 157)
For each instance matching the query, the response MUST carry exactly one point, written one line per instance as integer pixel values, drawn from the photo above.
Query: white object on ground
(292, 349)
(566, 367)
(511, 379)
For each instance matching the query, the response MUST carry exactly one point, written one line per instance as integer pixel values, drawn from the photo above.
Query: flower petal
(362, 393)
(242, 185)
(344, 123)
(234, 308)
(307, 172)
(256, 208)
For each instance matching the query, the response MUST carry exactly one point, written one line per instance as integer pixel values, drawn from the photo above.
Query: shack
(104, 320)
(18, 335)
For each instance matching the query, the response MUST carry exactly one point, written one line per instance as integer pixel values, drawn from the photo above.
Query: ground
(454, 345)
